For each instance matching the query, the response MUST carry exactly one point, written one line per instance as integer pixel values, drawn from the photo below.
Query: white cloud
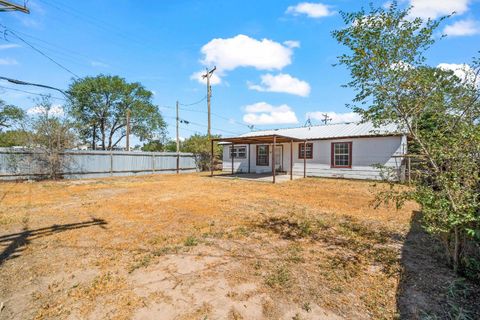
(98, 64)
(282, 83)
(9, 46)
(243, 51)
(463, 71)
(214, 79)
(262, 113)
(436, 8)
(8, 62)
(292, 43)
(336, 117)
(462, 28)
(311, 9)
(56, 110)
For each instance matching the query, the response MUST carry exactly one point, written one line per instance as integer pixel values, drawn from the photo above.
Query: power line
(24, 83)
(34, 93)
(9, 6)
(200, 125)
(212, 113)
(194, 103)
(7, 30)
(100, 24)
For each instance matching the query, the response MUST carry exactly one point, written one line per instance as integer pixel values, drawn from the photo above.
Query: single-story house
(348, 150)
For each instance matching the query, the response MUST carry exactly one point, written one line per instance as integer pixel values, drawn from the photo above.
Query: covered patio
(272, 139)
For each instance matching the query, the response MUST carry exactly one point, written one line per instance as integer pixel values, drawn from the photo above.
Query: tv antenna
(326, 118)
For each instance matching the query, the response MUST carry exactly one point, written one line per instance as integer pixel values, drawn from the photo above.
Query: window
(262, 155)
(309, 146)
(341, 155)
(238, 152)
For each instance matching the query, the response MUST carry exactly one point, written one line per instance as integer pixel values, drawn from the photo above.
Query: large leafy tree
(11, 138)
(200, 145)
(438, 109)
(9, 115)
(99, 107)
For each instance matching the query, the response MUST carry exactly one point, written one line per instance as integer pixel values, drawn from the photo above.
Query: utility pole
(178, 138)
(326, 118)
(10, 6)
(207, 75)
(178, 143)
(128, 130)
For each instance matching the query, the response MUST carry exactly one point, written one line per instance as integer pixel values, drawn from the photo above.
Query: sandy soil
(192, 247)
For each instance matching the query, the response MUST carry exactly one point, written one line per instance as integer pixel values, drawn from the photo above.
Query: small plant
(305, 228)
(280, 277)
(191, 241)
(142, 263)
(307, 307)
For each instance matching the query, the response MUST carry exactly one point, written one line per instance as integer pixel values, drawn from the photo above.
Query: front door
(279, 158)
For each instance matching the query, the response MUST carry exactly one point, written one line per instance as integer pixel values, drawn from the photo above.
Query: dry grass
(191, 247)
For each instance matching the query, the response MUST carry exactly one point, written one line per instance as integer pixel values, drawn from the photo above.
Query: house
(348, 150)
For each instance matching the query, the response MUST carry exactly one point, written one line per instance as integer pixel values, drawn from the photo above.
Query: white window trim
(236, 152)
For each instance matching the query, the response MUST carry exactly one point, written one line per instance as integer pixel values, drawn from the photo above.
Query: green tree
(9, 115)
(13, 138)
(161, 145)
(200, 145)
(99, 107)
(438, 110)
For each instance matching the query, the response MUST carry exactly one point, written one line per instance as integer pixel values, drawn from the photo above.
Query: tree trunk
(102, 128)
(456, 249)
(93, 137)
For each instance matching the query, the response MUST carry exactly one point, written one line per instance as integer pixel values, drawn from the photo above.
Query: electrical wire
(194, 103)
(34, 93)
(9, 31)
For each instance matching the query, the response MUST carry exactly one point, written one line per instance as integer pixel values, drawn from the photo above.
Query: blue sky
(274, 58)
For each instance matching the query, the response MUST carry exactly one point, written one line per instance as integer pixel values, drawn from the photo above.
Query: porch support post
(211, 159)
(232, 155)
(273, 157)
(249, 149)
(291, 159)
(305, 159)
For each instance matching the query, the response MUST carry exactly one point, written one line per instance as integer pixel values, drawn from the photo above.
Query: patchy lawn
(192, 247)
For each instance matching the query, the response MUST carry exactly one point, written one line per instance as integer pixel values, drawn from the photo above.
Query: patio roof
(259, 139)
(268, 138)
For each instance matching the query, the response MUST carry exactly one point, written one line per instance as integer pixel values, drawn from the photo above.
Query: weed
(191, 241)
(458, 291)
(142, 263)
(280, 277)
(295, 254)
(307, 307)
(162, 251)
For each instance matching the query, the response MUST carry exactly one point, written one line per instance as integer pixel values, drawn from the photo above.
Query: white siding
(366, 152)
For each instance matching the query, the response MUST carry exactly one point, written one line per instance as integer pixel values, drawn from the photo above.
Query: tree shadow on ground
(15, 243)
(428, 288)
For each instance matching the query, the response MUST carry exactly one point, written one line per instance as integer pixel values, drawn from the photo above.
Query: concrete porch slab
(260, 177)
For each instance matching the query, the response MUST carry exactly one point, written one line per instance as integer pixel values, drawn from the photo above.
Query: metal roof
(331, 131)
(257, 139)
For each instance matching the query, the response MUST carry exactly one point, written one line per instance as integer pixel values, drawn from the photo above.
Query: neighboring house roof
(331, 131)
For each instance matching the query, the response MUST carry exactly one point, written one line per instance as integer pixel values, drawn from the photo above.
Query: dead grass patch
(190, 247)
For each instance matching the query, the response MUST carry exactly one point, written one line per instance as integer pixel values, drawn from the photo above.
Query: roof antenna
(308, 123)
(326, 118)
(251, 127)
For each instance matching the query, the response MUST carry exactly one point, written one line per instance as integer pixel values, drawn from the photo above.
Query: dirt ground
(192, 247)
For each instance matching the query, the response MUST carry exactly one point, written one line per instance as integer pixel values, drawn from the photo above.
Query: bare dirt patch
(192, 247)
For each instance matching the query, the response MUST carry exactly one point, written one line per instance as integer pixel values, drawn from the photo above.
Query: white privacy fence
(18, 164)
